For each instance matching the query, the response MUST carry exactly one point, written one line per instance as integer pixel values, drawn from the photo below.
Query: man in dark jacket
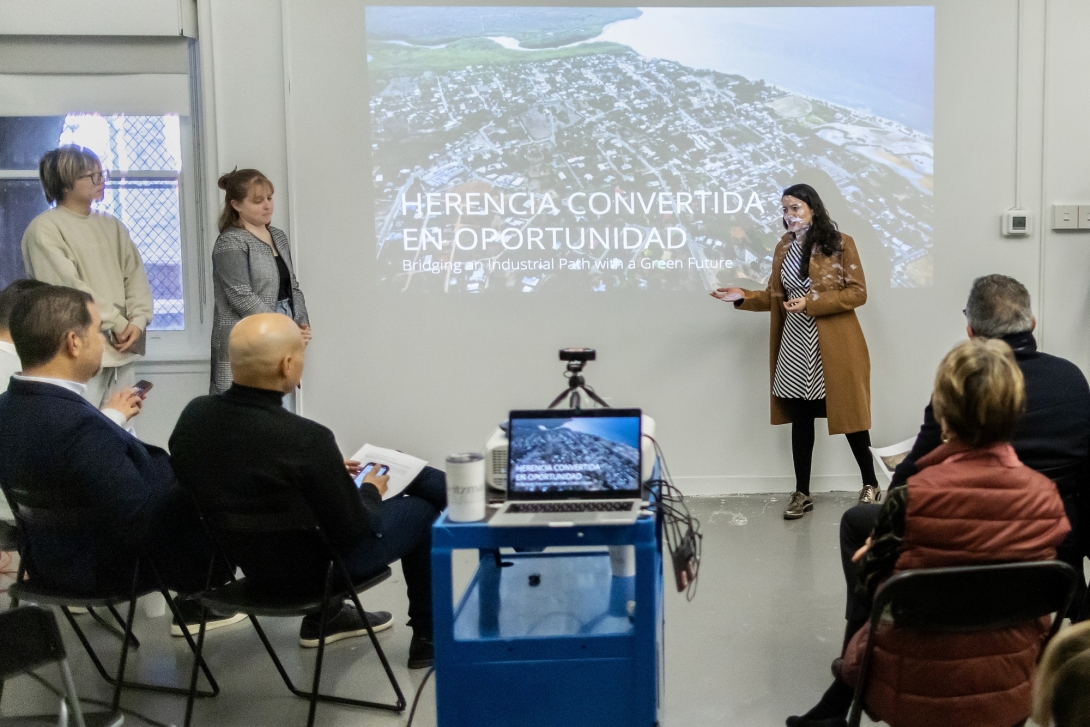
(244, 448)
(1052, 437)
(55, 443)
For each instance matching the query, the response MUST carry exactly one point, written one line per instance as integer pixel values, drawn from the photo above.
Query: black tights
(803, 412)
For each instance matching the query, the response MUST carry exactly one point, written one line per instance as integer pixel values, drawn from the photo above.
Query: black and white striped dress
(798, 367)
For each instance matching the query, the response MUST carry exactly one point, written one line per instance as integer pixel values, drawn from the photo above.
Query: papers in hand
(403, 468)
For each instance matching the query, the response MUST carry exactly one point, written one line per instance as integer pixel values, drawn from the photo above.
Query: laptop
(568, 467)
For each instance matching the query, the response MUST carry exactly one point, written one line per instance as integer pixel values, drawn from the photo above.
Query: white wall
(436, 374)
(433, 375)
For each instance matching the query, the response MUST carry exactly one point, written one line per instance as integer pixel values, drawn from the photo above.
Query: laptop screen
(574, 454)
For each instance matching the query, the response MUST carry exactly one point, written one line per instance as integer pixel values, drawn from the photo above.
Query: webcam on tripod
(577, 359)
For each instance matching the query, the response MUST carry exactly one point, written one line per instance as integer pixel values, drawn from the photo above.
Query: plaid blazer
(246, 281)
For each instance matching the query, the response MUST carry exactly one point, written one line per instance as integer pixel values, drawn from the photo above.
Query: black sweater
(1054, 433)
(243, 449)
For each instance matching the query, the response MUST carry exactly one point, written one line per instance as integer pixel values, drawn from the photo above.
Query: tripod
(576, 383)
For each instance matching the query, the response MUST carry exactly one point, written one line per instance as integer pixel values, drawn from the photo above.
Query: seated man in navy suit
(53, 441)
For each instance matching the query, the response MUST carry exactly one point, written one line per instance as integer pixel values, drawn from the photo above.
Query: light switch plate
(1065, 217)
(1084, 216)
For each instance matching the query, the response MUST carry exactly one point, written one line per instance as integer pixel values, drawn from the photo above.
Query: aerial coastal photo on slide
(529, 149)
(588, 454)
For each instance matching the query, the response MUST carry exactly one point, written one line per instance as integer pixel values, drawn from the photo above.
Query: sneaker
(421, 651)
(797, 506)
(345, 625)
(870, 494)
(191, 618)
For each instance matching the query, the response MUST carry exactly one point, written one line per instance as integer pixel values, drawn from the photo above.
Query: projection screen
(536, 149)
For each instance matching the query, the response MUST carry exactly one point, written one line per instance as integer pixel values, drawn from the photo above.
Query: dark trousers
(402, 531)
(803, 413)
(856, 525)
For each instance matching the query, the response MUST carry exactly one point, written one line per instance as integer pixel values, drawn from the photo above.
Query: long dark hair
(823, 233)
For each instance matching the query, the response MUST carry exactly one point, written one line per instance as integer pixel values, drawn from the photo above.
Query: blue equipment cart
(554, 638)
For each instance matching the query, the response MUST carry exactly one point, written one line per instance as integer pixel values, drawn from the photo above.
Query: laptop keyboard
(582, 506)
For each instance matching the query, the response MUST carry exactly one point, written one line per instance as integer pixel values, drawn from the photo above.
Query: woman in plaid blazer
(251, 267)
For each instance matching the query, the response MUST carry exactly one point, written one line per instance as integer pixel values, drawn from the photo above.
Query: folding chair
(30, 639)
(241, 595)
(965, 599)
(37, 509)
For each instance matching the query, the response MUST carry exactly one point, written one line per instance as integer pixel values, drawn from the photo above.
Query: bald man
(242, 445)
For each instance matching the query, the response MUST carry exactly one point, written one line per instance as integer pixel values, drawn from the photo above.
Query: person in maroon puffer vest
(972, 502)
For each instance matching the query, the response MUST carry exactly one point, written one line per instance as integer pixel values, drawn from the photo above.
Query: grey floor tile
(753, 647)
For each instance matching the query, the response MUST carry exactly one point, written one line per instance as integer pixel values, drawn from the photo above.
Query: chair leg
(322, 621)
(87, 645)
(215, 687)
(70, 695)
(14, 603)
(125, 641)
(381, 654)
(327, 698)
(276, 659)
(197, 661)
(119, 633)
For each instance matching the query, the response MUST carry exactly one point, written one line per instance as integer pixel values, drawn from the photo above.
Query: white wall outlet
(1065, 217)
(1084, 216)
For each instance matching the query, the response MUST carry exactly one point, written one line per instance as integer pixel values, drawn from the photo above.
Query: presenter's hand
(381, 482)
(305, 329)
(125, 340)
(127, 401)
(729, 294)
(862, 551)
(795, 305)
(353, 467)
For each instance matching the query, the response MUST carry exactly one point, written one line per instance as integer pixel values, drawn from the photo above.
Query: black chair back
(966, 599)
(29, 639)
(91, 551)
(977, 598)
(278, 546)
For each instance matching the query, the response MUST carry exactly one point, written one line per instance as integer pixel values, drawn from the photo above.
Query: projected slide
(554, 455)
(531, 149)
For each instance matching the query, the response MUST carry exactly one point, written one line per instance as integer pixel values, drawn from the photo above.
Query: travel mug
(465, 487)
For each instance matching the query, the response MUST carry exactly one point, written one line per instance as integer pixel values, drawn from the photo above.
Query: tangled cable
(680, 529)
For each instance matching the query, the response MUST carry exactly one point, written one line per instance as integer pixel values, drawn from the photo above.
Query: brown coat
(837, 288)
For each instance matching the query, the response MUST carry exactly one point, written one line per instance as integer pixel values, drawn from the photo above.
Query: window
(144, 157)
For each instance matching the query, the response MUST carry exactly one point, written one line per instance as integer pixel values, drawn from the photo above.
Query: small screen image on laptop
(557, 454)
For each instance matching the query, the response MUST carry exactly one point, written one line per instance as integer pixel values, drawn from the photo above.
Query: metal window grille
(149, 209)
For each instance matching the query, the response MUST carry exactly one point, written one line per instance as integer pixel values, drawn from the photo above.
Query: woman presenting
(820, 366)
(251, 267)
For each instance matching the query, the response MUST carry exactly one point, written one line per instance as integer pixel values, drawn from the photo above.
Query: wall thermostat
(1017, 222)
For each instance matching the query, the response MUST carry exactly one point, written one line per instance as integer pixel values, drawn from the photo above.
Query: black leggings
(803, 412)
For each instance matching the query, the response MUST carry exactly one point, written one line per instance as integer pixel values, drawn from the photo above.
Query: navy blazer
(56, 442)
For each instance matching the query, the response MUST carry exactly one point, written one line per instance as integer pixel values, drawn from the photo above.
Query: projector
(495, 455)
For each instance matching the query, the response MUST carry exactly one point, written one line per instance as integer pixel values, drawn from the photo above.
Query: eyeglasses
(97, 177)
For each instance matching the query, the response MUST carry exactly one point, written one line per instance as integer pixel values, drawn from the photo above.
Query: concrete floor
(753, 647)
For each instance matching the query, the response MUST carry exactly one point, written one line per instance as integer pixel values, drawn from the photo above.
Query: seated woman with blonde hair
(972, 502)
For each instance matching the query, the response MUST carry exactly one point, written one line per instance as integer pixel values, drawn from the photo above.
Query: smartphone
(382, 469)
(143, 387)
